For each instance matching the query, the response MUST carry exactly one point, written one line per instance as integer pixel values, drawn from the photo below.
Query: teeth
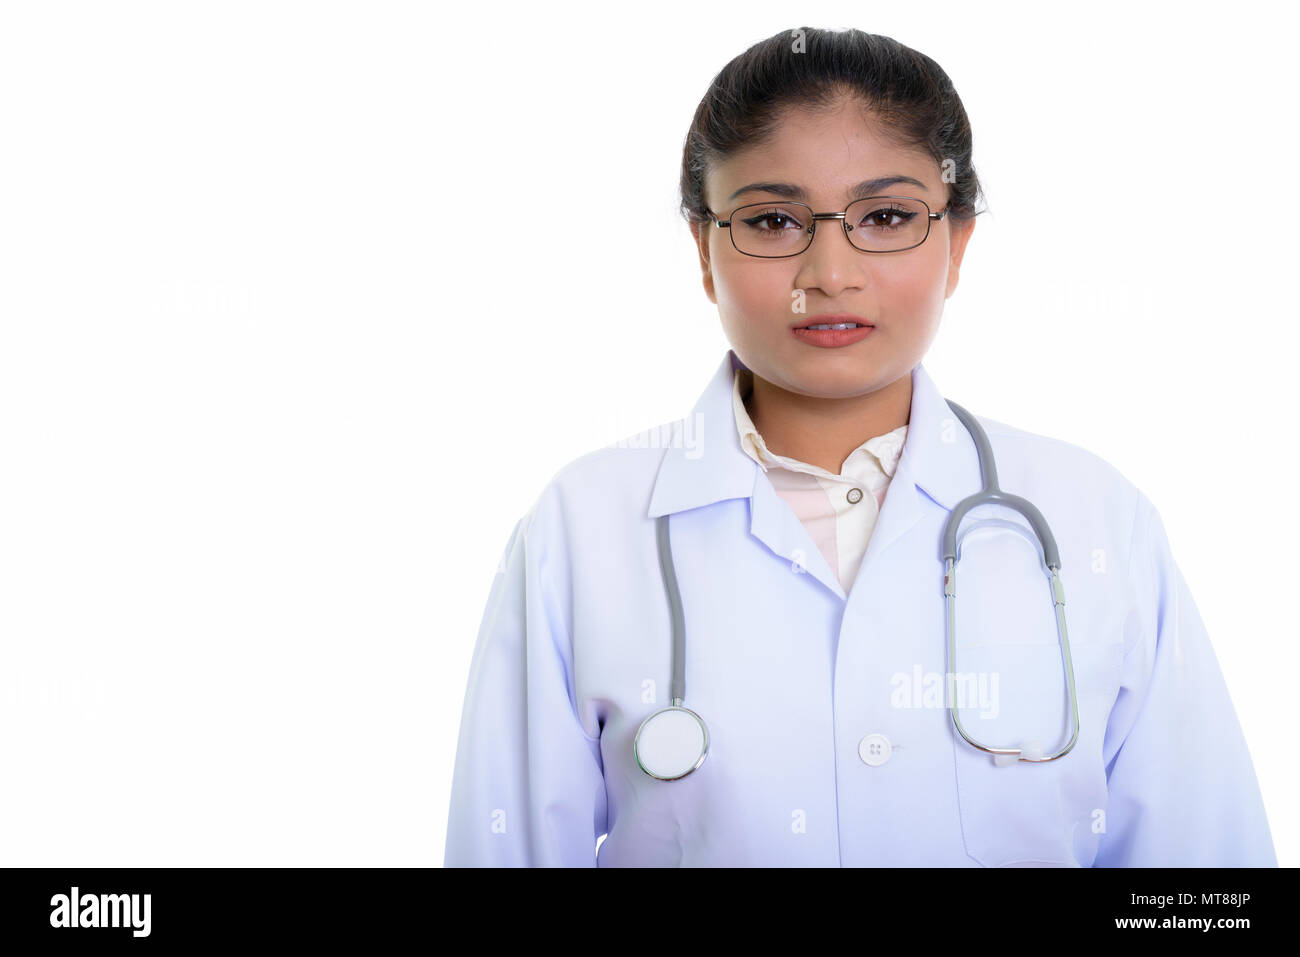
(842, 325)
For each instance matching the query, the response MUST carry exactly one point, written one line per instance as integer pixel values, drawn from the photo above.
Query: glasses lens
(771, 229)
(883, 224)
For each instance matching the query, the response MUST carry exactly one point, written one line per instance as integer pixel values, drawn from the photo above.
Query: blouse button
(854, 496)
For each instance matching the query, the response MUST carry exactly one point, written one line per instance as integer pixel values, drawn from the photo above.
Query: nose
(831, 263)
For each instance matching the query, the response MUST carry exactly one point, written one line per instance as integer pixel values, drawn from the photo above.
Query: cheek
(752, 287)
(915, 287)
(752, 302)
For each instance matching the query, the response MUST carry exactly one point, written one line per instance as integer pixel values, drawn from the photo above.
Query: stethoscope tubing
(989, 494)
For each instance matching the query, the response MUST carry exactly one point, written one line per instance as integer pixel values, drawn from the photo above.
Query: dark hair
(909, 95)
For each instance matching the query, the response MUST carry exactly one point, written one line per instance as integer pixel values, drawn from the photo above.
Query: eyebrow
(868, 187)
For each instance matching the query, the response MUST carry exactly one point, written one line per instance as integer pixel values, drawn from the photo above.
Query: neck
(823, 432)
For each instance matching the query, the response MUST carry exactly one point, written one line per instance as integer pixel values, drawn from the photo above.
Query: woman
(803, 505)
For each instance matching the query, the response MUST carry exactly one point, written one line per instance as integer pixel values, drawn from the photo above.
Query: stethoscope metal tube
(673, 742)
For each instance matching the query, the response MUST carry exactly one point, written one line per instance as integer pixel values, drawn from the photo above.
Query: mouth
(832, 331)
(838, 322)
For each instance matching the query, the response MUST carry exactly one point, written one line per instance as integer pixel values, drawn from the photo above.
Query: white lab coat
(791, 676)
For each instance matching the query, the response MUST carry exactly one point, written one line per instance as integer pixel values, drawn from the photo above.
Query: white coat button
(854, 496)
(874, 749)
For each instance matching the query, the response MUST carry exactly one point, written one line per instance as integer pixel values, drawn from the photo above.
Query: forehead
(826, 153)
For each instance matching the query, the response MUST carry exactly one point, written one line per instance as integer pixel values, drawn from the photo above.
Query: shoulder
(1057, 457)
(608, 485)
(1077, 480)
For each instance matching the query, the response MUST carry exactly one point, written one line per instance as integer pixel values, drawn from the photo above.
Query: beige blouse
(839, 511)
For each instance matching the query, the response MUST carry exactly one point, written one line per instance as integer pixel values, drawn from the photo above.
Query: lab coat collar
(708, 464)
(705, 465)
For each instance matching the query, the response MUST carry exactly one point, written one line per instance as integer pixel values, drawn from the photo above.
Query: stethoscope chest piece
(671, 743)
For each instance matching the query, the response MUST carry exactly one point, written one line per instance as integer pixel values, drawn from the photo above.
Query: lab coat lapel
(705, 464)
(899, 513)
(939, 454)
(774, 524)
(938, 459)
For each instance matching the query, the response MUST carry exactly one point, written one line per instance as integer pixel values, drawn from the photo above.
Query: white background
(302, 304)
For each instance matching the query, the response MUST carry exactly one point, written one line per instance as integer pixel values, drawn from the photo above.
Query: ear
(958, 237)
(701, 232)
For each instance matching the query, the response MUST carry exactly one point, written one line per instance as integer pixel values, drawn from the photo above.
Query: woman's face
(901, 293)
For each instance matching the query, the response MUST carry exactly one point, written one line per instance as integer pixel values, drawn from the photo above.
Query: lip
(831, 338)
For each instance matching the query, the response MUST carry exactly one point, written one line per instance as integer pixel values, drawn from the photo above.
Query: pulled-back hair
(908, 94)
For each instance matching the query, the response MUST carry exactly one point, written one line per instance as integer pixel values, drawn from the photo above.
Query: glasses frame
(841, 216)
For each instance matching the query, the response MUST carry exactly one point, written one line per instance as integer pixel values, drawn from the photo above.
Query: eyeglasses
(876, 224)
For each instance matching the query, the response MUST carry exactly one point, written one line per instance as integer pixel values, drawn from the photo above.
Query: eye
(880, 219)
(774, 220)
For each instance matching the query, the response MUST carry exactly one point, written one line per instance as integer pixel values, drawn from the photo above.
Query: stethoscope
(673, 742)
